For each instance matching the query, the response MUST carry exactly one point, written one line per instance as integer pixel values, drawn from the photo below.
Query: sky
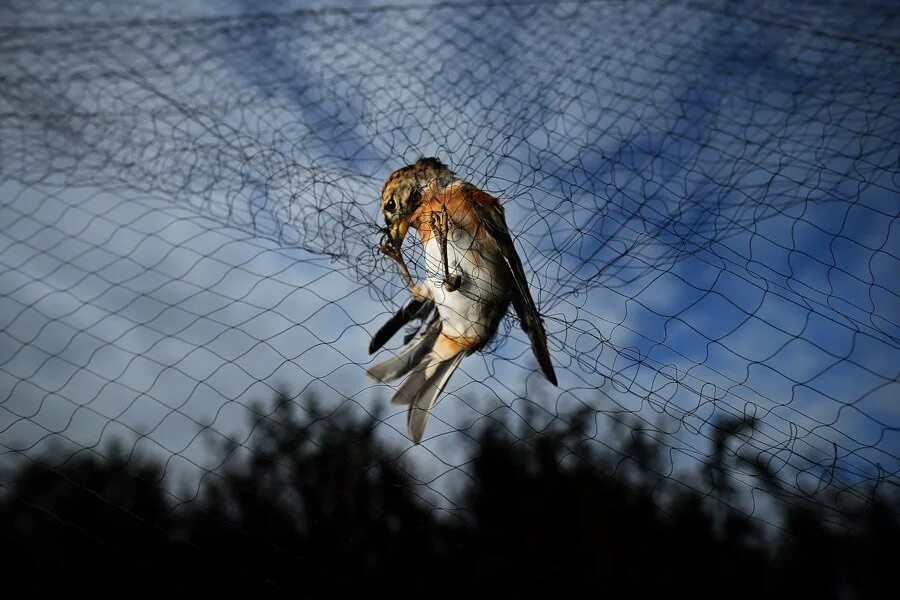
(704, 195)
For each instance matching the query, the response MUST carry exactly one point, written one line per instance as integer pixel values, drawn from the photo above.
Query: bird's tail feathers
(421, 389)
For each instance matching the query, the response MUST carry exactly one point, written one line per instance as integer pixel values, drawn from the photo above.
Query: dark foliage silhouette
(313, 508)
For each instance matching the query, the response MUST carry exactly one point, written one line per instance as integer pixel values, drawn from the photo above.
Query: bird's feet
(440, 225)
(391, 251)
(452, 282)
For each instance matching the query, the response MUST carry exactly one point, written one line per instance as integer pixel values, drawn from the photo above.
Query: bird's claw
(388, 249)
(452, 283)
(440, 225)
(391, 250)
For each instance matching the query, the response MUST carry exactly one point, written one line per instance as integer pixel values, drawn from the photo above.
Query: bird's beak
(398, 231)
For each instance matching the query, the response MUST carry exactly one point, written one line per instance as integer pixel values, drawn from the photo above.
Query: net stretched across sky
(704, 195)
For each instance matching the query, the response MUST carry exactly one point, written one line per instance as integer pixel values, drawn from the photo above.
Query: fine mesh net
(704, 197)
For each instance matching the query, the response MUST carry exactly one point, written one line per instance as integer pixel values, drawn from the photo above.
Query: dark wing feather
(414, 309)
(490, 214)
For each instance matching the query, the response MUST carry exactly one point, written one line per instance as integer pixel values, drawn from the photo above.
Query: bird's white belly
(473, 310)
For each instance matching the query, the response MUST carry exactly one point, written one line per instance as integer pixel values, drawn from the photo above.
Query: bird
(473, 275)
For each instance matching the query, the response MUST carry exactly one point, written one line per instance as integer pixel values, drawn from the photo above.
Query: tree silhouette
(314, 508)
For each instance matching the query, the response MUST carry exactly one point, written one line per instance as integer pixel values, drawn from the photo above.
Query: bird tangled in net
(473, 275)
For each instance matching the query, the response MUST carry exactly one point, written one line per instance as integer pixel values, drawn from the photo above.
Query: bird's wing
(414, 309)
(413, 353)
(490, 214)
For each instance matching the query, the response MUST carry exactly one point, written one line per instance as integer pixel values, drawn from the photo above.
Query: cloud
(702, 205)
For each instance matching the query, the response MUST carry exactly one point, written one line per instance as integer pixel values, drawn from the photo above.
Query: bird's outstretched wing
(490, 214)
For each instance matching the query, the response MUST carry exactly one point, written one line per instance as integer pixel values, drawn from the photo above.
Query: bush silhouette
(315, 508)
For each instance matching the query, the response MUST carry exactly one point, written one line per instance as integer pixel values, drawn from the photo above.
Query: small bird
(473, 273)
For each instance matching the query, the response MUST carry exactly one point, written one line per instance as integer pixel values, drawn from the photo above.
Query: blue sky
(705, 198)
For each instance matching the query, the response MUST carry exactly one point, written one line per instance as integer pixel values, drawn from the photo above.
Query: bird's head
(403, 191)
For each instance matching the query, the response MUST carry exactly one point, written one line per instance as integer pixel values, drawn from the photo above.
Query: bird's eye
(389, 205)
